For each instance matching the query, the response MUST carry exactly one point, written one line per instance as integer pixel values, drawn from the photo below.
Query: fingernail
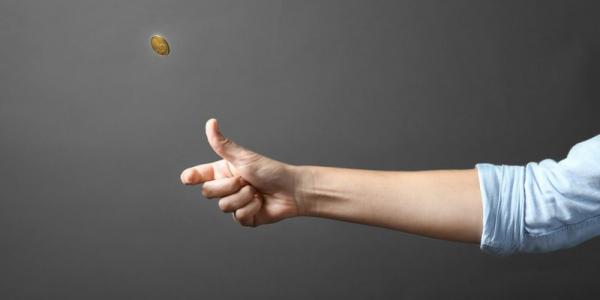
(186, 176)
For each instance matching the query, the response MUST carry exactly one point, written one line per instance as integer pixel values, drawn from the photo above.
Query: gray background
(95, 129)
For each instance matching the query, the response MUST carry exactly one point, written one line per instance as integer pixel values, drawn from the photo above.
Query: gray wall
(95, 128)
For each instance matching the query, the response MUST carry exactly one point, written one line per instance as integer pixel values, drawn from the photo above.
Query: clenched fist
(256, 189)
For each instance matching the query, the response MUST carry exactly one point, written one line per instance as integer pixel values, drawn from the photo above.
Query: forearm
(440, 204)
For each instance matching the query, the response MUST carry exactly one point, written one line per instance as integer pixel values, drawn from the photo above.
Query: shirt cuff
(502, 197)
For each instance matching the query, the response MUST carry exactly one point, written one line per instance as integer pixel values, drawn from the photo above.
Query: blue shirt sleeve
(543, 206)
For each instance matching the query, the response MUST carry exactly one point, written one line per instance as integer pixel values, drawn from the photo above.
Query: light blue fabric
(544, 206)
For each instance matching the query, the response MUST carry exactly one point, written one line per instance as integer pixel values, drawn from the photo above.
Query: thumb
(226, 148)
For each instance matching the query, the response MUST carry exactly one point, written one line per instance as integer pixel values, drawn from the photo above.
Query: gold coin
(159, 45)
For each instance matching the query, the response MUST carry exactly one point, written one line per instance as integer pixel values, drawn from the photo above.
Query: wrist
(304, 187)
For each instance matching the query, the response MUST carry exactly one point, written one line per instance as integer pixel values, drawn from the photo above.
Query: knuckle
(222, 144)
(225, 141)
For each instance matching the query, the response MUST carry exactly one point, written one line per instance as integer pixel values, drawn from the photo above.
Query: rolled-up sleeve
(543, 206)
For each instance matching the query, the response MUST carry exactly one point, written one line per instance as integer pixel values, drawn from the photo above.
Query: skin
(258, 190)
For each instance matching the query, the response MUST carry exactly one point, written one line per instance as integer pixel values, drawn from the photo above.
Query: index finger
(198, 174)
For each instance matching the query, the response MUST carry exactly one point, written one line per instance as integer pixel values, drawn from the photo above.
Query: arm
(532, 208)
(259, 190)
(439, 204)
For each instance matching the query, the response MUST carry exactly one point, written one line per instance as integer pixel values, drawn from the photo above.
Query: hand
(256, 189)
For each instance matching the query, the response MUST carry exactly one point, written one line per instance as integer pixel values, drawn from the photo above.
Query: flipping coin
(159, 45)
